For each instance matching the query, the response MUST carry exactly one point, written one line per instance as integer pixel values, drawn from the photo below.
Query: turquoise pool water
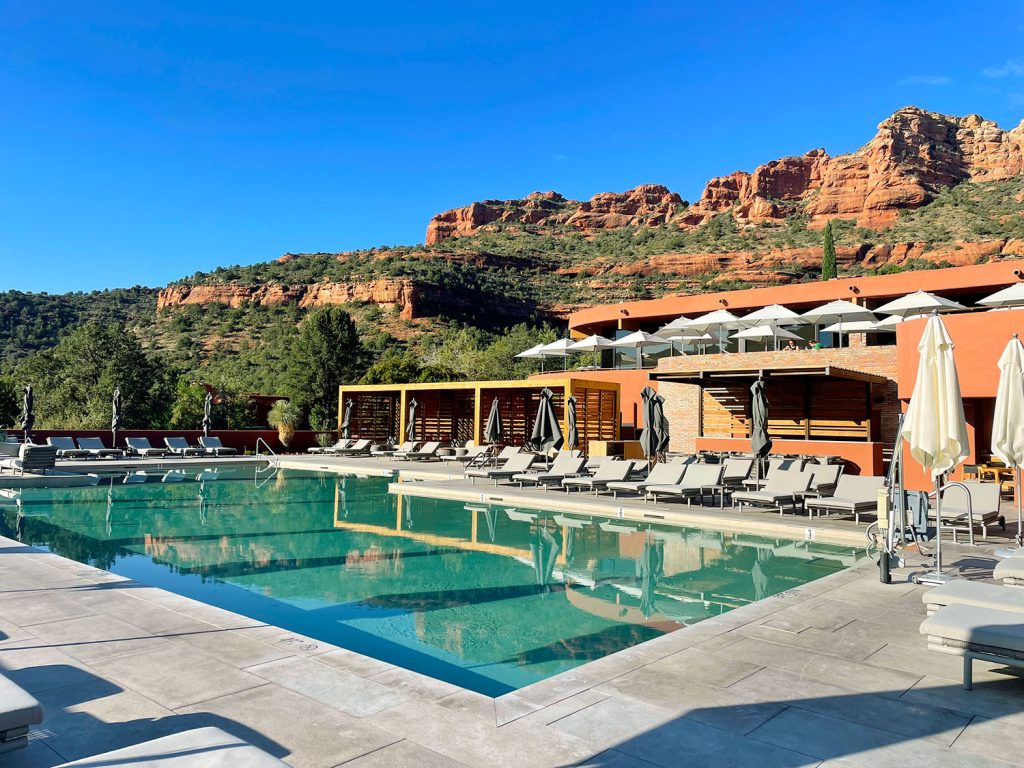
(489, 598)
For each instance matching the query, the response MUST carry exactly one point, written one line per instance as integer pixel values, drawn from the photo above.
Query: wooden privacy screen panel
(374, 415)
(798, 409)
(443, 415)
(597, 415)
(518, 411)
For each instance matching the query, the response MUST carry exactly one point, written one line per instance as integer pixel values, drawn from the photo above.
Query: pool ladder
(273, 463)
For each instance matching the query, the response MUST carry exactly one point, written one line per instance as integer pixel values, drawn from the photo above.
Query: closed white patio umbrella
(919, 303)
(638, 340)
(717, 322)
(593, 343)
(774, 314)
(1008, 297)
(1008, 421)
(560, 349)
(763, 332)
(934, 425)
(841, 312)
(533, 353)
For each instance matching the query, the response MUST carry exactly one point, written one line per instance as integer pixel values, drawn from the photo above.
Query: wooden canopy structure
(457, 411)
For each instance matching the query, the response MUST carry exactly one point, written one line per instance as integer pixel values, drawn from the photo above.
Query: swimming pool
(486, 597)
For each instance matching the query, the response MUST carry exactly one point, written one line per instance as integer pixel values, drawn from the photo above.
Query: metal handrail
(270, 451)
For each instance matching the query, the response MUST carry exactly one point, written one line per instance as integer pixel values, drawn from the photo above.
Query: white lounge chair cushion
(976, 593)
(849, 505)
(199, 748)
(1010, 568)
(18, 708)
(969, 625)
(762, 497)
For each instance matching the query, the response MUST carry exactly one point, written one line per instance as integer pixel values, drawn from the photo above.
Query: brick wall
(683, 401)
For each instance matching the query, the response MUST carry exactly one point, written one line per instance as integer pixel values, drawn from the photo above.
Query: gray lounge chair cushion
(975, 593)
(1011, 568)
(966, 627)
(843, 505)
(698, 477)
(199, 748)
(18, 708)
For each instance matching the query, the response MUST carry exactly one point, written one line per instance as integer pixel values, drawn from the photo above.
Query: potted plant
(285, 416)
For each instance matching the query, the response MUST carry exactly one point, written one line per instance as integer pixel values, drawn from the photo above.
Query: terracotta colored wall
(242, 439)
(630, 383)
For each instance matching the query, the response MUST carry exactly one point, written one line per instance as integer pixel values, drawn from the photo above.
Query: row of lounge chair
(977, 620)
(199, 748)
(93, 448)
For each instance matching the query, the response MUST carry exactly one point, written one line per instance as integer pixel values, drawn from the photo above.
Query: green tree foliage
(476, 355)
(828, 254)
(404, 368)
(74, 381)
(326, 354)
(189, 400)
(10, 405)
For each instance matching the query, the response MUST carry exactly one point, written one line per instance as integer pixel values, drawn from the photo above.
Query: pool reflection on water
(486, 597)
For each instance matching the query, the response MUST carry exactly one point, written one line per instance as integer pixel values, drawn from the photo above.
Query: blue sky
(141, 142)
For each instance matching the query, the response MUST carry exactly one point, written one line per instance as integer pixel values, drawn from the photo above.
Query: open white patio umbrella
(764, 332)
(919, 303)
(717, 322)
(560, 349)
(639, 340)
(841, 312)
(593, 343)
(934, 425)
(1007, 297)
(774, 314)
(533, 353)
(857, 326)
(1008, 421)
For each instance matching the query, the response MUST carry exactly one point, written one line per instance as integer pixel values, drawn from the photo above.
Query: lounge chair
(504, 455)
(1010, 571)
(199, 748)
(976, 507)
(566, 464)
(519, 463)
(66, 448)
(358, 448)
(976, 633)
(179, 447)
(18, 710)
(140, 446)
(425, 452)
(824, 478)
(782, 490)
(339, 445)
(854, 495)
(608, 472)
(683, 460)
(31, 458)
(388, 448)
(699, 480)
(214, 447)
(472, 456)
(976, 593)
(96, 448)
(776, 464)
(661, 474)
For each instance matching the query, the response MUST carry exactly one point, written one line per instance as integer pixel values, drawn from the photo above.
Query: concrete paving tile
(720, 642)
(612, 758)
(356, 696)
(931, 663)
(1000, 739)
(155, 619)
(914, 753)
(997, 698)
(512, 707)
(228, 646)
(96, 637)
(471, 703)
(853, 641)
(35, 755)
(705, 667)
(294, 643)
(175, 675)
(310, 734)
(40, 669)
(613, 721)
(96, 716)
(565, 707)
(558, 687)
(27, 609)
(821, 736)
(409, 682)
(12, 633)
(355, 663)
(469, 740)
(404, 753)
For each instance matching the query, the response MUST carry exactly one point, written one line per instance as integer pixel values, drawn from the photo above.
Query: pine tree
(828, 254)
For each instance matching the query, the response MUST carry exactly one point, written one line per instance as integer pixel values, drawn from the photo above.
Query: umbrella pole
(1020, 512)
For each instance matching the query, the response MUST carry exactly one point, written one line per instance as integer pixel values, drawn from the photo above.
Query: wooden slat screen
(518, 411)
(443, 415)
(597, 414)
(374, 415)
(725, 411)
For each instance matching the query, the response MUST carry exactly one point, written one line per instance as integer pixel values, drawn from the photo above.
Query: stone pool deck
(832, 673)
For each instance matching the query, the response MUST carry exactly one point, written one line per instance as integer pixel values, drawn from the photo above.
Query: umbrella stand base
(932, 577)
(1007, 552)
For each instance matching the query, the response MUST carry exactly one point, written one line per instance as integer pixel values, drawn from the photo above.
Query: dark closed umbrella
(28, 417)
(651, 566)
(660, 423)
(493, 430)
(574, 436)
(649, 435)
(547, 434)
(115, 416)
(207, 414)
(346, 421)
(410, 428)
(760, 442)
(545, 549)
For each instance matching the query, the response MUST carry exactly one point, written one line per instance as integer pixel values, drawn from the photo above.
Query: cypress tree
(828, 254)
